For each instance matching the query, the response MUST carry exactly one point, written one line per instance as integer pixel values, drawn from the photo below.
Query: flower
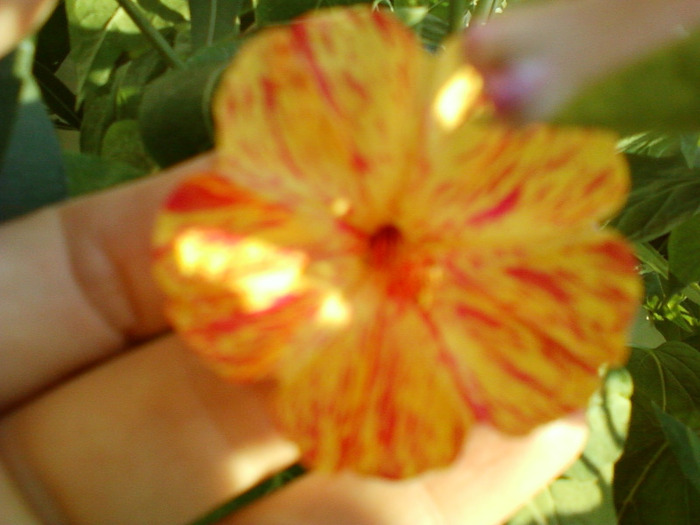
(399, 264)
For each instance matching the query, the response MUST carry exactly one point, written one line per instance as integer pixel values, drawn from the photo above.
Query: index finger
(76, 285)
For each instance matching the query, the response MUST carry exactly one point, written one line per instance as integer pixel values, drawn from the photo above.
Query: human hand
(535, 58)
(107, 418)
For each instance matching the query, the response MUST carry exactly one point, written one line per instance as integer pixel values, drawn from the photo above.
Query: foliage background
(129, 83)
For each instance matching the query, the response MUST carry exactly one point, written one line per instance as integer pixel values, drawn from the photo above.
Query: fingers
(536, 58)
(149, 437)
(76, 283)
(15, 509)
(153, 435)
(496, 475)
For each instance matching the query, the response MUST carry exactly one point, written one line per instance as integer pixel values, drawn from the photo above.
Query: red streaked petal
(377, 400)
(312, 112)
(483, 177)
(530, 328)
(493, 182)
(243, 276)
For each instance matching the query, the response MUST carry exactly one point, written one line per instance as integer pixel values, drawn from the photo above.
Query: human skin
(536, 57)
(20, 17)
(106, 416)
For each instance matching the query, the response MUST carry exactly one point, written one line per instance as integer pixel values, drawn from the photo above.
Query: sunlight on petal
(259, 272)
(340, 207)
(456, 97)
(334, 310)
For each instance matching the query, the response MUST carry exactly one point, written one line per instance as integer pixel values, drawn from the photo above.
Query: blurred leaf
(583, 494)
(59, 99)
(122, 143)
(649, 485)
(664, 194)
(685, 445)
(119, 100)
(89, 173)
(411, 16)
(433, 31)
(130, 80)
(52, 48)
(175, 114)
(27, 181)
(684, 251)
(277, 11)
(652, 144)
(643, 333)
(219, 53)
(98, 114)
(659, 92)
(53, 41)
(690, 146)
(212, 20)
(10, 84)
(101, 32)
(651, 259)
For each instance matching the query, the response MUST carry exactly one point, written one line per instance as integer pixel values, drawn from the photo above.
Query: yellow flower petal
(530, 326)
(485, 177)
(379, 399)
(318, 108)
(241, 274)
(398, 262)
(490, 181)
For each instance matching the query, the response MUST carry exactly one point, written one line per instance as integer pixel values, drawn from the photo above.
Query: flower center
(384, 244)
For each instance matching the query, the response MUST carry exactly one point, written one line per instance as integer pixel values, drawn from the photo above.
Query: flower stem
(458, 8)
(152, 34)
(260, 490)
(483, 11)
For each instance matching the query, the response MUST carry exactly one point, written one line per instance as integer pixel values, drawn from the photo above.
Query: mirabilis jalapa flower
(398, 263)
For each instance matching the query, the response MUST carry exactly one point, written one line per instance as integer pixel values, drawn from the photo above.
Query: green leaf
(277, 11)
(53, 41)
(27, 181)
(101, 32)
(684, 251)
(664, 194)
(651, 259)
(213, 20)
(98, 114)
(690, 147)
(643, 333)
(649, 486)
(89, 173)
(659, 92)
(60, 100)
(10, 84)
(175, 114)
(652, 144)
(220, 53)
(130, 80)
(684, 443)
(122, 143)
(583, 494)
(103, 108)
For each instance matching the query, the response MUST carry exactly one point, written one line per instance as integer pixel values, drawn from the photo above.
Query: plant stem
(152, 34)
(483, 11)
(456, 17)
(260, 490)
